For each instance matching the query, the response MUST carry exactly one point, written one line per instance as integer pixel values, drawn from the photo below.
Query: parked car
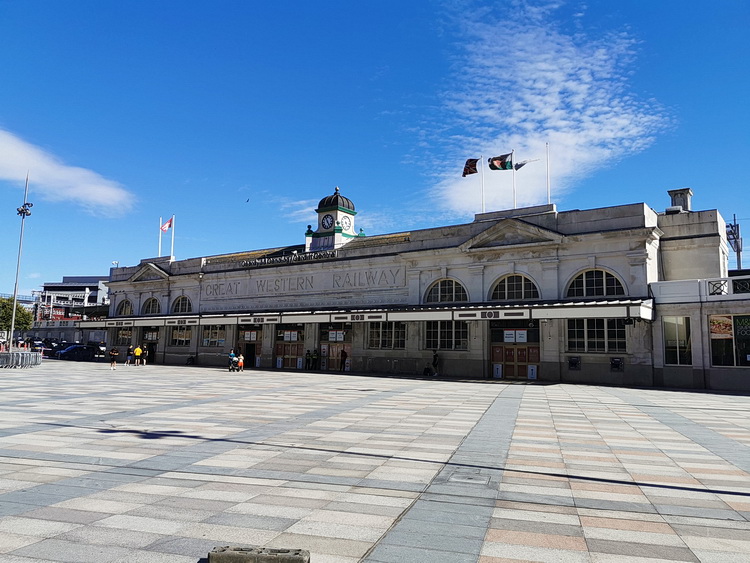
(77, 352)
(99, 347)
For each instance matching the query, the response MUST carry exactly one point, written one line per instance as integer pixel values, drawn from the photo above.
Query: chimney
(681, 198)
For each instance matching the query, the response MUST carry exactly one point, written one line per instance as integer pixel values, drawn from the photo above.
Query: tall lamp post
(23, 212)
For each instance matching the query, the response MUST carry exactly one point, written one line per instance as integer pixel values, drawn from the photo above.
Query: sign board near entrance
(531, 372)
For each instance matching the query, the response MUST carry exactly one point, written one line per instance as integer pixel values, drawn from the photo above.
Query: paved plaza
(161, 464)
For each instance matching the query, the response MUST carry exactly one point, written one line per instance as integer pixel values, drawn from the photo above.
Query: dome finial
(336, 190)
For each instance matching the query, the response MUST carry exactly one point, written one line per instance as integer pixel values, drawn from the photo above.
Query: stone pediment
(149, 272)
(511, 232)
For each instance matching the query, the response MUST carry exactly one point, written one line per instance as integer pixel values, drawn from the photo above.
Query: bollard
(238, 554)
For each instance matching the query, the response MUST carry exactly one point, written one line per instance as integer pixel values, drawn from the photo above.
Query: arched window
(595, 283)
(446, 291)
(514, 288)
(125, 308)
(151, 307)
(182, 305)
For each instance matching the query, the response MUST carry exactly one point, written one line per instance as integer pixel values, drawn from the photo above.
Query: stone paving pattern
(160, 464)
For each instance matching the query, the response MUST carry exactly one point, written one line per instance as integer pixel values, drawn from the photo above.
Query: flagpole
(549, 199)
(159, 237)
(171, 250)
(513, 170)
(481, 161)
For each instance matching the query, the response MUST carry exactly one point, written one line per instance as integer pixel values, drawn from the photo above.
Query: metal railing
(20, 359)
(728, 286)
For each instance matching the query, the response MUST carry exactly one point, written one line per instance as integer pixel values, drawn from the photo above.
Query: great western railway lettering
(320, 283)
(222, 289)
(283, 285)
(367, 278)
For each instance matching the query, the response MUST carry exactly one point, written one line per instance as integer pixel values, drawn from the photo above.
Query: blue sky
(238, 117)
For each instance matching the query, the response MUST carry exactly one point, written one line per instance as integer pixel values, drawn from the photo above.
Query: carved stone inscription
(323, 282)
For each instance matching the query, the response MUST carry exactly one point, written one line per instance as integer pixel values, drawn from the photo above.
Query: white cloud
(57, 181)
(519, 82)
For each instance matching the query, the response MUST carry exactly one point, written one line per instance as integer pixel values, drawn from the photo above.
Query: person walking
(315, 359)
(344, 355)
(113, 353)
(435, 363)
(129, 356)
(308, 360)
(144, 354)
(240, 363)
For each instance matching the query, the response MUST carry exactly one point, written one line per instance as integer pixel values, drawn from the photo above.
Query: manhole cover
(469, 478)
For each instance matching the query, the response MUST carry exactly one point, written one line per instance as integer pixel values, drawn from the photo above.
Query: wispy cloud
(56, 181)
(520, 81)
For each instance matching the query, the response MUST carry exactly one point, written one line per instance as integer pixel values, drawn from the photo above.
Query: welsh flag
(502, 162)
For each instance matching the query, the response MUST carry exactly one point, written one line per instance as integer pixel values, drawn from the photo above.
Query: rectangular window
(677, 349)
(446, 335)
(181, 336)
(124, 336)
(386, 335)
(730, 340)
(214, 335)
(596, 335)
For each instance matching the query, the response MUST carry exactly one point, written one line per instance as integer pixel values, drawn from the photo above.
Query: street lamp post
(23, 212)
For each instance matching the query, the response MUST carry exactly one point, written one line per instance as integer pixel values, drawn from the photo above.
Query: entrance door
(334, 354)
(151, 342)
(515, 359)
(250, 354)
(289, 355)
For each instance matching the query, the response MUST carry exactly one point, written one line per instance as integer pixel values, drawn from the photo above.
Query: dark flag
(518, 165)
(502, 162)
(471, 166)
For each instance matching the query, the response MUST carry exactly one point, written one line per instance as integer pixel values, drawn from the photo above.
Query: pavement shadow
(162, 434)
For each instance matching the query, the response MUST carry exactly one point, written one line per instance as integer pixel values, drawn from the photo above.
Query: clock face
(327, 221)
(346, 222)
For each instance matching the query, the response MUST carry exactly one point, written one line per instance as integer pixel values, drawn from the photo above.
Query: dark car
(52, 347)
(77, 352)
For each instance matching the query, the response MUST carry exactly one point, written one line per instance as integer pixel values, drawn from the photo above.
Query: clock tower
(335, 224)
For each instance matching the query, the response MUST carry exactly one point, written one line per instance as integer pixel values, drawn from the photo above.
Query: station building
(529, 293)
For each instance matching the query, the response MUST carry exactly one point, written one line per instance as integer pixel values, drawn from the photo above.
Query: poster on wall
(522, 335)
(509, 336)
(720, 327)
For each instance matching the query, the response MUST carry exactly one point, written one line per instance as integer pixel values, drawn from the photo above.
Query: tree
(24, 318)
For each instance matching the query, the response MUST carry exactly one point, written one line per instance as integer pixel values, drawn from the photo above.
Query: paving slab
(162, 464)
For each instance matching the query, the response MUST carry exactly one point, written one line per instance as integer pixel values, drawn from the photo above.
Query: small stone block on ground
(239, 554)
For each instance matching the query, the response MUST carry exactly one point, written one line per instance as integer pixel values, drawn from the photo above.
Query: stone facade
(517, 294)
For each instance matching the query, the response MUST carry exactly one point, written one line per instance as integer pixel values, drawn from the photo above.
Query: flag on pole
(502, 162)
(470, 167)
(518, 165)
(166, 226)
